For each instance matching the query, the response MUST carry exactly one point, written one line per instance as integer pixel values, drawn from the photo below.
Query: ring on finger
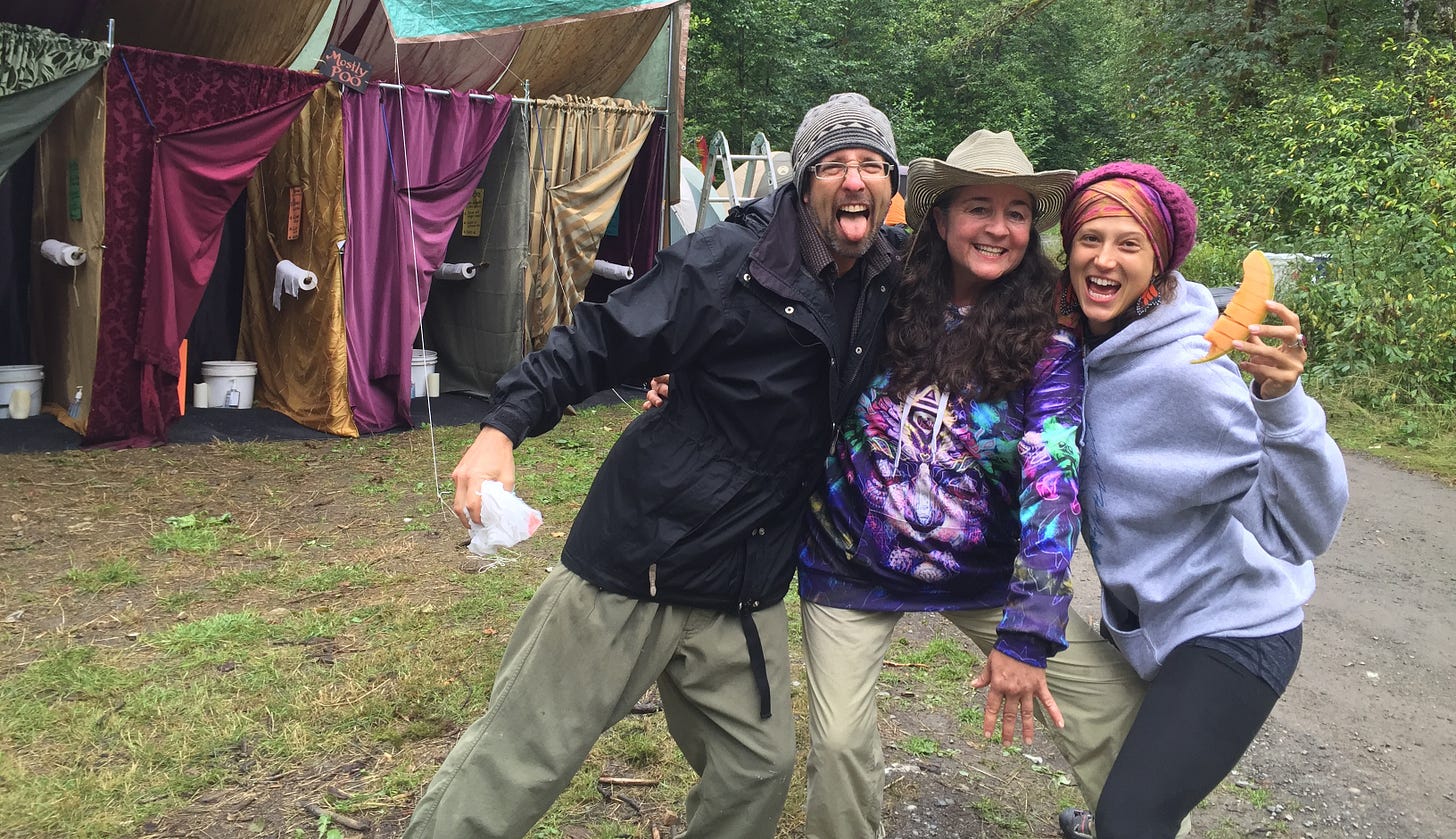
(1301, 342)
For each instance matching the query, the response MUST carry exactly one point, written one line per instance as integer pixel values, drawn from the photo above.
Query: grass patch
(228, 585)
(117, 573)
(199, 535)
(1258, 796)
(921, 747)
(999, 815)
(972, 718)
(339, 575)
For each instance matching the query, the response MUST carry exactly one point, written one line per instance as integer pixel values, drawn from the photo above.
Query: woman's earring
(1148, 300)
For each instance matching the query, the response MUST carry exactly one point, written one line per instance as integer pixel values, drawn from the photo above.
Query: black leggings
(1200, 714)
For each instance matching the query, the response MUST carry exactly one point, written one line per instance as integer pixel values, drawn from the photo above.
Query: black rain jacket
(700, 502)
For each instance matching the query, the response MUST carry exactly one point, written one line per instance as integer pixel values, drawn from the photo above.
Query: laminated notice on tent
(427, 20)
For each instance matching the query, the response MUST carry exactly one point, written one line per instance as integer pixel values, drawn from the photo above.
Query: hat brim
(931, 178)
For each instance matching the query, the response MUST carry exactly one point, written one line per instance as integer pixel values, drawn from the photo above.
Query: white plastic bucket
(421, 366)
(229, 383)
(15, 377)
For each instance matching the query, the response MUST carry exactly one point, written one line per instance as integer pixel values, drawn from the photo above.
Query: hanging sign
(73, 189)
(348, 70)
(470, 219)
(295, 211)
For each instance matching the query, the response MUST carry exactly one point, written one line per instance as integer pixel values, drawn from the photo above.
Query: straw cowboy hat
(986, 157)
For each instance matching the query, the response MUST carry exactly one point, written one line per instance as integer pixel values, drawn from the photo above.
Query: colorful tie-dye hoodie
(939, 502)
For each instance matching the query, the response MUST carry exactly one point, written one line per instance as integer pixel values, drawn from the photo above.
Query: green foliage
(1362, 169)
(939, 69)
(326, 829)
(1295, 128)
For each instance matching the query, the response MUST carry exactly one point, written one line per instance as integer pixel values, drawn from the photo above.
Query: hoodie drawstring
(942, 400)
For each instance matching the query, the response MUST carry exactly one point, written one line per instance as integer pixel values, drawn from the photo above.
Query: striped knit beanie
(847, 120)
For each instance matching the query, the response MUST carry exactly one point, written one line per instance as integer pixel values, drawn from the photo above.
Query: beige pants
(577, 662)
(1097, 691)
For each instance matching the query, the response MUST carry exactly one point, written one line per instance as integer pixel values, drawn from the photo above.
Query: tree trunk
(1410, 18)
(1256, 17)
(1331, 53)
(1445, 20)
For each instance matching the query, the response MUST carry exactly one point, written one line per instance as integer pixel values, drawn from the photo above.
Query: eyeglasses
(870, 170)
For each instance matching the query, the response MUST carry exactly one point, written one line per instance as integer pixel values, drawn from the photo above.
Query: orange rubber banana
(1246, 307)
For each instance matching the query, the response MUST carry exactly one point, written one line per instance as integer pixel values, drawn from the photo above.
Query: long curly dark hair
(995, 349)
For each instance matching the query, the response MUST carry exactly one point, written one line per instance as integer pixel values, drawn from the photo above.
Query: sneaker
(1076, 824)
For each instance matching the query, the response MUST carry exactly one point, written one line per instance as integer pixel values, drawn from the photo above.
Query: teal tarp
(418, 20)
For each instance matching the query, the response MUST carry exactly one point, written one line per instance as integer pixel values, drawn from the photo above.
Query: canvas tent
(684, 215)
(135, 322)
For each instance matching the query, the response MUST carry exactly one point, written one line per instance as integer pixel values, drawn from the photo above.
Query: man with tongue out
(675, 569)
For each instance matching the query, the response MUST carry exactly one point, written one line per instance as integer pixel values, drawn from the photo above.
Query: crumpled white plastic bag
(504, 520)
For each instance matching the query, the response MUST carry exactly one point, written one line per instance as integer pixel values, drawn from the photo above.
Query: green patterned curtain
(40, 71)
(31, 57)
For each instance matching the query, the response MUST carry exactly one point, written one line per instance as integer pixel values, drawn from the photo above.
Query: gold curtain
(70, 204)
(581, 152)
(302, 365)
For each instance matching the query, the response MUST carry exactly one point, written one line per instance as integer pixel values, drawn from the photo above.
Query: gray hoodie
(1202, 506)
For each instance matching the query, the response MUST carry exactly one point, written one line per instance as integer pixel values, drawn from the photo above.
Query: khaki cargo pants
(1095, 688)
(577, 662)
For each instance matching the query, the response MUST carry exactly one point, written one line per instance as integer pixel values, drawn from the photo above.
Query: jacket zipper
(855, 325)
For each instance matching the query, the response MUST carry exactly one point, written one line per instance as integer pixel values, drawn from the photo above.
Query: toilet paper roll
(432, 385)
(289, 277)
(455, 271)
(61, 253)
(199, 395)
(613, 271)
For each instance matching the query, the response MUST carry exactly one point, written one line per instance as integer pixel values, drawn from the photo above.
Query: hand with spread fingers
(1275, 367)
(1012, 688)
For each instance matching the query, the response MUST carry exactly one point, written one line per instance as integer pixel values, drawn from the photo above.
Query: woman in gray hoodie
(1204, 499)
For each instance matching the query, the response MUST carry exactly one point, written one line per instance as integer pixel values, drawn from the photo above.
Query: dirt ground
(1363, 745)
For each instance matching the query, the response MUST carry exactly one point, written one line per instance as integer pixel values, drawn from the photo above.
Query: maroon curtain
(183, 135)
(411, 161)
(639, 214)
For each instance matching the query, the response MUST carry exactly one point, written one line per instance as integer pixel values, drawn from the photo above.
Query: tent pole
(516, 99)
(110, 32)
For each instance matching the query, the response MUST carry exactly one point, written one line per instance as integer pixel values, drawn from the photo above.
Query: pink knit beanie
(1180, 207)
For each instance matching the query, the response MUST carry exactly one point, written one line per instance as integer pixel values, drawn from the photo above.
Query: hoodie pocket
(1136, 647)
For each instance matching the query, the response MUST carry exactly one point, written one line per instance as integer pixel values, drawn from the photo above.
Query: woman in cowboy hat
(1204, 500)
(953, 488)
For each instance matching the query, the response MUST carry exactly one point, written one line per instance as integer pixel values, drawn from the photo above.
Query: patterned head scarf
(1123, 197)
